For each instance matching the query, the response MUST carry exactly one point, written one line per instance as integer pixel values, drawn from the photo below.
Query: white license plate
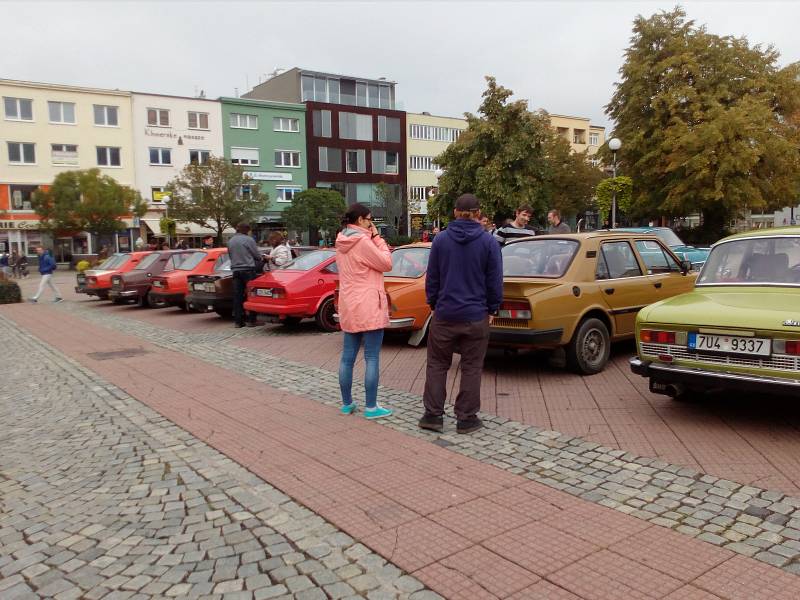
(264, 292)
(730, 344)
(81, 278)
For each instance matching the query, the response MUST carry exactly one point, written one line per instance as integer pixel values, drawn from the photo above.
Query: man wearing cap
(464, 287)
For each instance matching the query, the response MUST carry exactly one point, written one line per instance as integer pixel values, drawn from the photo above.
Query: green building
(268, 139)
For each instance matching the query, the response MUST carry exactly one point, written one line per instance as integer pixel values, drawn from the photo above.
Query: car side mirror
(686, 266)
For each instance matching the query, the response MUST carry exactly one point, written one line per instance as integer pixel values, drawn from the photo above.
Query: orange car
(170, 288)
(97, 281)
(405, 287)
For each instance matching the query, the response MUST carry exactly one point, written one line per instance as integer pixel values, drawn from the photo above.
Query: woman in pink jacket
(362, 256)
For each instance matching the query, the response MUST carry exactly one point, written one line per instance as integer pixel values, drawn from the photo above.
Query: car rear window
(409, 262)
(112, 262)
(148, 261)
(538, 258)
(753, 261)
(669, 237)
(190, 261)
(223, 263)
(306, 262)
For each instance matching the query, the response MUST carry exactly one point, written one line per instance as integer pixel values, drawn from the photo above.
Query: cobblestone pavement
(101, 497)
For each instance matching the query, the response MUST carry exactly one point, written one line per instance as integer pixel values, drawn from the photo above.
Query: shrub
(9, 292)
(82, 265)
(399, 240)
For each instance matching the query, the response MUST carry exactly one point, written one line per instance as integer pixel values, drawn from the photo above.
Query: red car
(302, 289)
(170, 288)
(97, 281)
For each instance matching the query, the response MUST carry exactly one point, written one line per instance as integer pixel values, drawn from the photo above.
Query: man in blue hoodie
(47, 264)
(464, 288)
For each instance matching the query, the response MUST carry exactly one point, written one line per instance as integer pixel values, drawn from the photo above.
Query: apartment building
(354, 134)
(47, 129)
(580, 133)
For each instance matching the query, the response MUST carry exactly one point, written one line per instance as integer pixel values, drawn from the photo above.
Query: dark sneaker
(238, 325)
(33, 300)
(431, 423)
(58, 300)
(251, 324)
(469, 425)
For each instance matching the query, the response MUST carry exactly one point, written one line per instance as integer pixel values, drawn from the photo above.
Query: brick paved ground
(540, 542)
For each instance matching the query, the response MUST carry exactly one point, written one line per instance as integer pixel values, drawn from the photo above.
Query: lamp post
(438, 174)
(614, 144)
(166, 200)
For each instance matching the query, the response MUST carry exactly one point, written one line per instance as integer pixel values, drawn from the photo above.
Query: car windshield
(538, 258)
(669, 237)
(753, 261)
(147, 261)
(112, 262)
(223, 263)
(306, 262)
(190, 261)
(409, 262)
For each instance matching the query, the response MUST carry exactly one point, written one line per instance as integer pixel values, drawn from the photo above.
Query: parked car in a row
(171, 286)
(97, 281)
(136, 284)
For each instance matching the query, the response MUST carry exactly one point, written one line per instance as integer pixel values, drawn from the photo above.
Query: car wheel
(324, 316)
(225, 313)
(589, 348)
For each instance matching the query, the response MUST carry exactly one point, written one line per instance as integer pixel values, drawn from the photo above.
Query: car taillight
(515, 310)
(649, 336)
(786, 347)
(278, 293)
(91, 279)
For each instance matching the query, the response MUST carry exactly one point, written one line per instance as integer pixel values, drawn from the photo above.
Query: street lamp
(166, 200)
(614, 144)
(438, 174)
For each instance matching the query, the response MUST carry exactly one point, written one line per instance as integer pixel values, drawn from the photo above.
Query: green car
(696, 256)
(738, 329)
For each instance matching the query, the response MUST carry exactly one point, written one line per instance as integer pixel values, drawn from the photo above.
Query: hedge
(9, 292)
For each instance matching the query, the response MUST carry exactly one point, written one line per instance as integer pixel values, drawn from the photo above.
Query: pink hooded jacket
(362, 260)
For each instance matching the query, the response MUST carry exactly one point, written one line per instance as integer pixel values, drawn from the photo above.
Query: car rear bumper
(124, 293)
(200, 300)
(288, 310)
(404, 323)
(93, 291)
(169, 299)
(701, 378)
(524, 337)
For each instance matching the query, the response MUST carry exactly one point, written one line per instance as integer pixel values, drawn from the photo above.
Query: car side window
(656, 259)
(331, 268)
(617, 260)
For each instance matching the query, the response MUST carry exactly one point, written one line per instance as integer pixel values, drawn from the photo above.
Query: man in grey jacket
(246, 264)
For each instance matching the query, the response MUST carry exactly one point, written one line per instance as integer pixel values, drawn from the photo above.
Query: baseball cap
(467, 202)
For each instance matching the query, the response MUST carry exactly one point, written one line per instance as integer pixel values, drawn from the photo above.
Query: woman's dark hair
(354, 213)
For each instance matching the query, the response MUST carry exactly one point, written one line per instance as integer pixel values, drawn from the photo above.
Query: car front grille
(776, 362)
(513, 323)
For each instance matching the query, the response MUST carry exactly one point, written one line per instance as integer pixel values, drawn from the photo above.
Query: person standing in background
(246, 264)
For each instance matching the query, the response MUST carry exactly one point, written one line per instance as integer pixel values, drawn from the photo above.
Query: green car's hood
(765, 308)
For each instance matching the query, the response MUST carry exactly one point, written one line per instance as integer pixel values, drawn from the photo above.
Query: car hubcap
(593, 347)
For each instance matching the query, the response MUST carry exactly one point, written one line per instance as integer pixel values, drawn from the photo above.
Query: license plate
(210, 288)
(264, 292)
(730, 344)
(81, 278)
(199, 287)
(157, 284)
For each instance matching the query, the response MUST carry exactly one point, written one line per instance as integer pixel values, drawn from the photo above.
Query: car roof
(415, 245)
(638, 229)
(773, 231)
(610, 234)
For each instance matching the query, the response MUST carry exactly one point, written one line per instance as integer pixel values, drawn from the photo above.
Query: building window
(61, 112)
(321, 89)
(434, 134)
(21, 153)
(198, 120)
(286, 194)
(388, 129)
(330, 160)
(21, 197)
(384, 162)
(199, 157)
(157, 194)
(287, 158)
(106, 116)
(245, 156)
(241, 121)
(285, 124)
(160, 156)
(18, 109)
(108, 156)
(356, 161)
(422, 163)
(594, 139)
(322, 123)
(355, 127)
(64, 154)
(579, 136)
(361, 93)
(157, 117)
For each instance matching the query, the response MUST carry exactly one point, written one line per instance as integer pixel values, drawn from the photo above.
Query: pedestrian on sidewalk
(22, 266)
(464, 287)
(246, 264)
(362, 257)
(47, 265)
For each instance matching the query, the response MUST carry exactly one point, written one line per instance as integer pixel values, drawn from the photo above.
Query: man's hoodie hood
(349, 237)
(464, 231)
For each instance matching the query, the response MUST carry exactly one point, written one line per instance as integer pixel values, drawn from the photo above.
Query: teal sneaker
(378, 412)
(348, 409)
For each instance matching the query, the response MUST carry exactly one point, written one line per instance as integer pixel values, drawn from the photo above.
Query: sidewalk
(464, 528)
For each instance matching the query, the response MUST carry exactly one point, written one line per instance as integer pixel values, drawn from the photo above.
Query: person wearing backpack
(47, 265)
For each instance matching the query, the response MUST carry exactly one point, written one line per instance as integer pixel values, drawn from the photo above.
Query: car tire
(324, 316)
(588, 351)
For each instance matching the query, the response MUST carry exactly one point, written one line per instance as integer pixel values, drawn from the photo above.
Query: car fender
(321, 300)
(589, 312)
(416, 337)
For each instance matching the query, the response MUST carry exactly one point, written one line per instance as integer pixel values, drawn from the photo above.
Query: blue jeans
(372, 353)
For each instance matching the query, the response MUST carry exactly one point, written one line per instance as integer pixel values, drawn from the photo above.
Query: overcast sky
(562, 56)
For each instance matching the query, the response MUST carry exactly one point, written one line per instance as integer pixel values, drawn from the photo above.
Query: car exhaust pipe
(675, 390)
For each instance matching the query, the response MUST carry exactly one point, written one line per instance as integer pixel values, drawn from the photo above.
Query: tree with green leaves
(216, 194)
(316, 210)
(619, 188)
(389, 202)
(86, 201)
(508, 156)
(704, 122)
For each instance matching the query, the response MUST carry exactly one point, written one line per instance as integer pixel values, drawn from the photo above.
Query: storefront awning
(188, 229)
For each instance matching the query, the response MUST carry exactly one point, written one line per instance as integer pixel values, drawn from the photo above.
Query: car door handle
(609, 291)
(658, 285)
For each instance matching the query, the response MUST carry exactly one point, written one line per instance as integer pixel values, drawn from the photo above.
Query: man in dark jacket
(47, 265)
(464, 288)
(246, 263)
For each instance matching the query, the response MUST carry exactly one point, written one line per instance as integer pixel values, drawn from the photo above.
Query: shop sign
(266, 176)
(159, 196)
(19, 224)
(173, 135)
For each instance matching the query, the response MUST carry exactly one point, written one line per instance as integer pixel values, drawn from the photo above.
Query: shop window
(21, 196)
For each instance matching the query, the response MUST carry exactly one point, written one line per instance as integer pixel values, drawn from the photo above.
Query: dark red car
(135, 284)
(97, 281)
(302, 289)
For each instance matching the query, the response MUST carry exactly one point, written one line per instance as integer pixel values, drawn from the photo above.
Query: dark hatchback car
(135, 284)
(215, 291)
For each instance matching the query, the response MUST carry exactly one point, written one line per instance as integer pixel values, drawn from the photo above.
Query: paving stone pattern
(751, 521)
(101, 497)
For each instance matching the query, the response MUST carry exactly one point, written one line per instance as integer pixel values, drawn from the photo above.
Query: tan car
(581, 291)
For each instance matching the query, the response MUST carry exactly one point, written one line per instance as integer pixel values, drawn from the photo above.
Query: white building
(169, 132)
